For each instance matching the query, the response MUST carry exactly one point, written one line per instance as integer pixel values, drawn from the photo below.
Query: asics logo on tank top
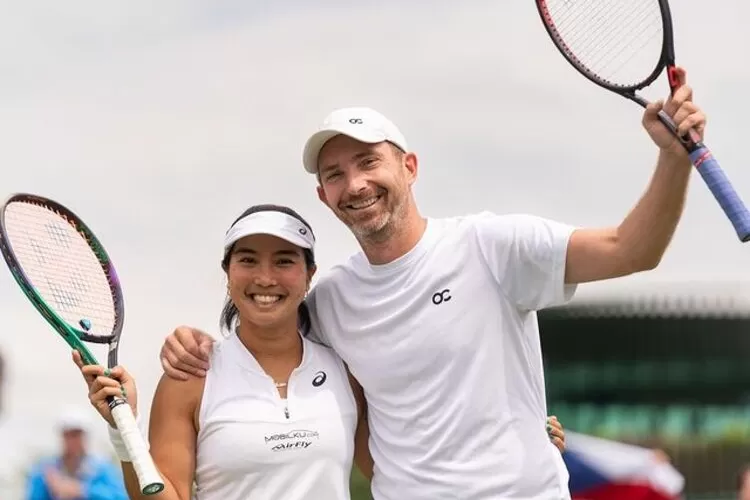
(319, 379)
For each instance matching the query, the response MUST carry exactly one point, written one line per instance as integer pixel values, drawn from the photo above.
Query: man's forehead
(343, 144)
(332, 155)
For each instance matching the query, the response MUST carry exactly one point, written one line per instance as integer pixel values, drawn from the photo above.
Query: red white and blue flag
(601, 469)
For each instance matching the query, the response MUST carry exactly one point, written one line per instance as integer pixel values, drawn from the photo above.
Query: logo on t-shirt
(319, 379)
(442, 296)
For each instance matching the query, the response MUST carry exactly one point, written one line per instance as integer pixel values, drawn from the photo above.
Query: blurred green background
(360, 487)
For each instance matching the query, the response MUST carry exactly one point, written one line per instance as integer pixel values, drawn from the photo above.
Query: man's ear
(412, 167)
(322, 196)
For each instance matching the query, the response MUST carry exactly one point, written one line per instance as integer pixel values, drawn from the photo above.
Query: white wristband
(118, 444)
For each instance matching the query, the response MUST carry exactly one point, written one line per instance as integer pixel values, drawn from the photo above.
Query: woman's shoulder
(179, 393)
(320, 349)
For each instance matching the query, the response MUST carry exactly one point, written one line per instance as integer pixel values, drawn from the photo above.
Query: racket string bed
(618, 41)
(61, 266)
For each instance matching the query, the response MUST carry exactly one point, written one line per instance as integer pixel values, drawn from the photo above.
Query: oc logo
(442, 296)
(319, 379)
(355, 121)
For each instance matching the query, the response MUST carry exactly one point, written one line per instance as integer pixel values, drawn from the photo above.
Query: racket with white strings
(624, 46)
(67, 275)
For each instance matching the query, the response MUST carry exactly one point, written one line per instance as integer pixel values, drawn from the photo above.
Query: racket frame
(666, 57)
(73, 336)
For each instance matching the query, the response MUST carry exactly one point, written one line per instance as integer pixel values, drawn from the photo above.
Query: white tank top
(253, 444)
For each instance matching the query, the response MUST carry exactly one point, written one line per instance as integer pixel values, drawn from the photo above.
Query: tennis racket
(68, 276)
(624, 46)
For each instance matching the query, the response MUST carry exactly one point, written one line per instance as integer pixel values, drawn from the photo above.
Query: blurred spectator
(11, 480)
(75, 474)
(743, 483)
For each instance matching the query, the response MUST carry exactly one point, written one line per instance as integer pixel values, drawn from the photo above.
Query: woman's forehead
(265, 243)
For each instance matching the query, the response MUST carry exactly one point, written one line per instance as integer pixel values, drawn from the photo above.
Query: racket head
(639, 32)
(64, 271)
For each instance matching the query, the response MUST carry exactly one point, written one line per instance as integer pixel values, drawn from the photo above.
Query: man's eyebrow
(328, 168)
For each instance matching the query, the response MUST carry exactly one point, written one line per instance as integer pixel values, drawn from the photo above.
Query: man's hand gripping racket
(64, 271)
(624, 46)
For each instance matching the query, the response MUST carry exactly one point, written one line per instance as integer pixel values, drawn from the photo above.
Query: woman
(277, 416)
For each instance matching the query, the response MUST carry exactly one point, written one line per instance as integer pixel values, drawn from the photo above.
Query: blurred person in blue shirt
(75, 474)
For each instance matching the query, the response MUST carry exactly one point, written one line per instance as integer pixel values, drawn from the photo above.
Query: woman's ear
(310, 274)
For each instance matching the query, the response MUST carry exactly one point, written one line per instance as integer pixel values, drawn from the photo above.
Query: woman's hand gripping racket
(615, 43)
(66, 273)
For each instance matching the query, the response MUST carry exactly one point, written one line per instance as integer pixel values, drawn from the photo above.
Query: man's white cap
(360, 123)
(74, 419)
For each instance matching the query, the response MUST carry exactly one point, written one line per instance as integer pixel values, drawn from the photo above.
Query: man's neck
(396, 245)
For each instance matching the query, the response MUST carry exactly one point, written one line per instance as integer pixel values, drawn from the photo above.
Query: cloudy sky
(159, 122)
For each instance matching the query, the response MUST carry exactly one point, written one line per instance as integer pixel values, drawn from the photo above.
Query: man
(436, 318)
(75, 474)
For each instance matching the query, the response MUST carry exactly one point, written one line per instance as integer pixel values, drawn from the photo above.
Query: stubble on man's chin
(379, 237)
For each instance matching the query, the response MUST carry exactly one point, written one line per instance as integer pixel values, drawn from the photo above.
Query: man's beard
(382, 227)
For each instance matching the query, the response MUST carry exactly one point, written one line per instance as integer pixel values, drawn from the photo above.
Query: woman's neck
(283, 342)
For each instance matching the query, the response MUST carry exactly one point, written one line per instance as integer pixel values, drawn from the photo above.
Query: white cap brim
(316, 142)
(273, 223)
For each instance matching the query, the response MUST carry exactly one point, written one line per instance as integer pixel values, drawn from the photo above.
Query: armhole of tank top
(345, 375)
(200, 409)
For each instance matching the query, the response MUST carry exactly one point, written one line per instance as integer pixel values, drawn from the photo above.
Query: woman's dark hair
(229, 312)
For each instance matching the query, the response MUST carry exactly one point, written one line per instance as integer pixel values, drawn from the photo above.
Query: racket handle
(149, 479)
(723, 191)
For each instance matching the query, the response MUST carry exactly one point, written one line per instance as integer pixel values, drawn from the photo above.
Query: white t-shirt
(445, 344)
(254, 444)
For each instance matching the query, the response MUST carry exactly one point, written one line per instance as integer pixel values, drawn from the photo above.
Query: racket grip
(149, 479)
(723, 191)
